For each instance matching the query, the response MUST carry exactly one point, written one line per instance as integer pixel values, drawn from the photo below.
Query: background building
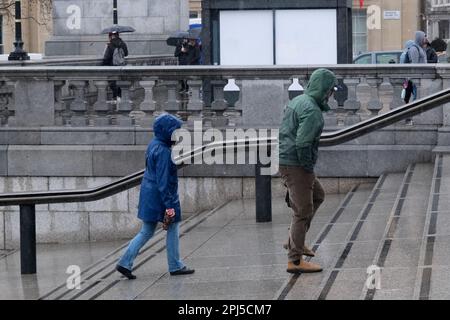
(36, 25)
(438, 19)
(386, 24)
(195, 9)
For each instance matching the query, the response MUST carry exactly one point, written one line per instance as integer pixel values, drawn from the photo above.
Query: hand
(170, 212)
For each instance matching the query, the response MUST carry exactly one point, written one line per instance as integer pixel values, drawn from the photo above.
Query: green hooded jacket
(303, 122)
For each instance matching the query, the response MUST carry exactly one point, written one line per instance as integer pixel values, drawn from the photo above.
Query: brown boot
(302, 266)
(306, 251)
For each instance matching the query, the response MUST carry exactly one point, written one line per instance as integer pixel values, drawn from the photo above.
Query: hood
(420, 35)
(409, 44)
(164, 127)
(320, 84)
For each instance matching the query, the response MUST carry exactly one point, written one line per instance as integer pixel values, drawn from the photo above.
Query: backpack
(119, 57)
(404, 57)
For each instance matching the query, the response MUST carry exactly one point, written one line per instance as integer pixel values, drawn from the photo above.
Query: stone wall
(77, 25)
(114, 218)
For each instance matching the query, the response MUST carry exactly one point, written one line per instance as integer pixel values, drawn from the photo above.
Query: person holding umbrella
(114, 55)
(188, 53)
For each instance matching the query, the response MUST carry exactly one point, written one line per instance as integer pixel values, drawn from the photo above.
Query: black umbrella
(118, 29)
(176, 37)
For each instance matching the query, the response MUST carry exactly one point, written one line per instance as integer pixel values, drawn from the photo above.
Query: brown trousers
(306, 194)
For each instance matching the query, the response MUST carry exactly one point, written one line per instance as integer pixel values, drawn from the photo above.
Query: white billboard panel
(306, 37)
(246, 37)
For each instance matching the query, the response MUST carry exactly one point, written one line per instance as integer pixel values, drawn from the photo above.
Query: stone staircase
(400, 224)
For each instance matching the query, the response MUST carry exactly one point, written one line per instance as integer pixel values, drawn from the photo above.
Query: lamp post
(115, 19)
(18, 53)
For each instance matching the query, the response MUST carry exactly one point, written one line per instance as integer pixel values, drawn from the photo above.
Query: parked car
(376, 57)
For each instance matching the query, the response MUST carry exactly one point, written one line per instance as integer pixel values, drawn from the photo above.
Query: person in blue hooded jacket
(158, 199)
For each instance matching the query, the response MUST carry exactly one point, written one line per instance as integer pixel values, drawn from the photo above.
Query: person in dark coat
(430, 52)
(188, 54)
(114, 42)
(158, 199)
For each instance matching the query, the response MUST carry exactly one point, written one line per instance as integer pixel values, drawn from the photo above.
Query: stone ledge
(117, 161)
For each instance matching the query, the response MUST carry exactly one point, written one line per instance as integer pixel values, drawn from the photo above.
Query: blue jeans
(146, 233)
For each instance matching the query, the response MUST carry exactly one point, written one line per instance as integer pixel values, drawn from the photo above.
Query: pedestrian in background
(430, 52)
(158, 200)
(188, 54)
(114, 55)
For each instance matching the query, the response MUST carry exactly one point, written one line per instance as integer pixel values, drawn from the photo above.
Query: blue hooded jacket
(159, 188)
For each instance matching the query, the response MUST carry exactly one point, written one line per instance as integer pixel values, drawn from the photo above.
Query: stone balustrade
(81, 96)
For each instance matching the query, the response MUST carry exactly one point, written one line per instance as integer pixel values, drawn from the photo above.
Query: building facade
(386, 24)
(195, 9)
(36, 26)
(438, 19)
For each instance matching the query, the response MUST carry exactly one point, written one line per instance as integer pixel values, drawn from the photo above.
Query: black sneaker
(127, 273)
(185, 270)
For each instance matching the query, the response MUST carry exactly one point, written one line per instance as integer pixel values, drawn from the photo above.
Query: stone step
(334, 236)
(397, 255)
(219, 264)
(97, 273)
(346, 261)
(434, 263)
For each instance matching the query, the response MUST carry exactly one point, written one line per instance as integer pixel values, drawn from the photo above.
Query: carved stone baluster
(195, 103)
(446, 107)
(374, 104)
(232, 95)
(7, 103)
(295, 89)
(352, 105)
(363, 93)
(219, 105)
(78, 107)
(330, 117)
(60, 106)
(172, 104)
(397, 85)
(101, 107)
(386, 93)
(125, 106)
(148, 105)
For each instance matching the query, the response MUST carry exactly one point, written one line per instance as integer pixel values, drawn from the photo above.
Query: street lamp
(115, 19)
(18, 53)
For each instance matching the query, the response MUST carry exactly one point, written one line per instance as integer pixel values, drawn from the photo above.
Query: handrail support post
(28, 239)
(263, 194)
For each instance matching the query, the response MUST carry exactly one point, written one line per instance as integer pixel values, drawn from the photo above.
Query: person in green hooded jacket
(299, 137)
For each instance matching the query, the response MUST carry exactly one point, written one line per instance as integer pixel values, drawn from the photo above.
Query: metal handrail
(132, 180)
(404, 112)
(127, 182)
